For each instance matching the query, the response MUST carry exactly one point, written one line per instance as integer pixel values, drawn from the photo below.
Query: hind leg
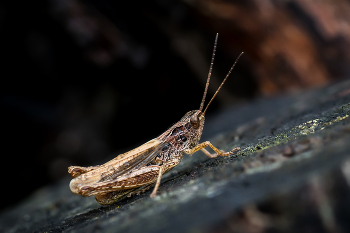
(112, 197)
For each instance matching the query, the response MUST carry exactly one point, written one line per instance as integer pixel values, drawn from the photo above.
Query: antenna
(217, 91)
(209, 74)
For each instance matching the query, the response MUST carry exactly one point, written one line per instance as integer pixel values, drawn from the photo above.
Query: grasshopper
(137, 170)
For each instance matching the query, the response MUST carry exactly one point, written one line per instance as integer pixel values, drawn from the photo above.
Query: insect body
(142, 167)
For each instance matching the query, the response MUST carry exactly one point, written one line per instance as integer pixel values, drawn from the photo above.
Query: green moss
(304, 129)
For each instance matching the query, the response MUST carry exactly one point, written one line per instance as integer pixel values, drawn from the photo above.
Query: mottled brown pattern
(167, 153)
(178, 138)
(145, 165)
(100, 180)
(193, 135)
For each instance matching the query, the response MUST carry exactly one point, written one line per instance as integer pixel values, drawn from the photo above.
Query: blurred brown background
(85, 79)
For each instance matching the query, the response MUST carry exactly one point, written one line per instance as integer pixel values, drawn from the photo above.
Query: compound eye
(194, 121)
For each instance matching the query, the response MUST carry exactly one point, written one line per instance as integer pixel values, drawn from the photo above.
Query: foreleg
(202, 146)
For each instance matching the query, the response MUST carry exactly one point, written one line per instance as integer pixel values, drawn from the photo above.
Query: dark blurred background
(83, 80)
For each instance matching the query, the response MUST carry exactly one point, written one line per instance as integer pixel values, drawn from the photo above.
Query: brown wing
(76, 171)
(133, 159)
(122, 164)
